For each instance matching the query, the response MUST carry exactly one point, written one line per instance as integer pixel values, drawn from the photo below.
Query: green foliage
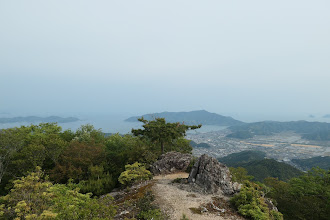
(181, 145)
(75, 161)
(87, 133)
(148, 211)
(11, 141)
(305, 197)
(307, 164)
(260, 168)
(243, 157)
(29, 198)
(161, 132)
(239, 174)
(271, 168)
(99, 182)
(28, 147)
(33, 197)
(152, 214)
(134, 173)
(251, 203)
(70, 204)
(122, 150)
(67, 135)
(191, 164)
(69, 155)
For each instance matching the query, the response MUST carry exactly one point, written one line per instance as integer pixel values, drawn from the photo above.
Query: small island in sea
(34, 119)
(191, 118)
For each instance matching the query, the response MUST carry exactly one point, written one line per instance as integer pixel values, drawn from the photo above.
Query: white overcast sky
(175, 55)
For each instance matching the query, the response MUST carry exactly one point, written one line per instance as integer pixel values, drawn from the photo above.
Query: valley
(283, 146)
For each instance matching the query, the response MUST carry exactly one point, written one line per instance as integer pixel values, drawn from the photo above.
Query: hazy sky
(60, 56)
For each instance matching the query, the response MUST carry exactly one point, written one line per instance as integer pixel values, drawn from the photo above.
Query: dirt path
(177, 202)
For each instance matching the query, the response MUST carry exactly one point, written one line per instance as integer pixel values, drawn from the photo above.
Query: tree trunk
(162, 147)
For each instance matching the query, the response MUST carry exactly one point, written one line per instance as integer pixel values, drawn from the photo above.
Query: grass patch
(196, 210)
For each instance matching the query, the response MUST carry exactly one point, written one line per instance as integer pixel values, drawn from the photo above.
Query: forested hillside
(307, 164)
(42, 160)
(259, 167)
(243, 157)
(47, 173)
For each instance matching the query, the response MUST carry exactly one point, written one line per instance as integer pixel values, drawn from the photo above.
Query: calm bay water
(114, 123)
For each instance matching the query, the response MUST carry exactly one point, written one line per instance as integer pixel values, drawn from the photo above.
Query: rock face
(212, 176)
(171, 162)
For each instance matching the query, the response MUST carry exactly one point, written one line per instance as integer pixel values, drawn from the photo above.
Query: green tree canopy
(134, 173)
(34, 197)
(162, 132)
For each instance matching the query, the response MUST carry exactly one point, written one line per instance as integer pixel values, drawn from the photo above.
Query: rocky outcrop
(212, 176)
(171, 162)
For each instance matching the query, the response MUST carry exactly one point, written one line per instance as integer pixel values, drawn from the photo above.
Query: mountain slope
(191, 118)
(307, 164)
(243, 157)
(259, 167)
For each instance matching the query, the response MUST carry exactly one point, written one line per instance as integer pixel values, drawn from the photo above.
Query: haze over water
(252, 60)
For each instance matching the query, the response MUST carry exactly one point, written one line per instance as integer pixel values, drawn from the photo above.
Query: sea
(115, 123)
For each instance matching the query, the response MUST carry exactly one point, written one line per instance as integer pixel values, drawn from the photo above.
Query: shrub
(191, 164)
(250, 203)
(147, 210)
(152, 214)
(239, 174)
(33, 197)
(99, 183)
(134, 173)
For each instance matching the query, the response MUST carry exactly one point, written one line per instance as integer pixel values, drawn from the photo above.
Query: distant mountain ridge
(33, 119)
(191, 118)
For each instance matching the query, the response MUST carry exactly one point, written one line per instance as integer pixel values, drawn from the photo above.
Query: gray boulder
(213, 176)
(171, 162)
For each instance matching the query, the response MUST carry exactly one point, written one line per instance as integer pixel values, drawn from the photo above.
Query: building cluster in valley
(281, 147)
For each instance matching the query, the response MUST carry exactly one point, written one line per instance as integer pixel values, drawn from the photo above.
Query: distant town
(283, 146)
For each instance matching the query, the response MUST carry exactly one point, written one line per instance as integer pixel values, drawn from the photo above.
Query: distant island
(326, 116)
(191, 118)
(34, 119)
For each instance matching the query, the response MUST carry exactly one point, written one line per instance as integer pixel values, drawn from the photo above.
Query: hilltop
(191, 118)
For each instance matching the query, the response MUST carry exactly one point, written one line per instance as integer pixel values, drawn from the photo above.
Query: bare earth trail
(177, 202)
